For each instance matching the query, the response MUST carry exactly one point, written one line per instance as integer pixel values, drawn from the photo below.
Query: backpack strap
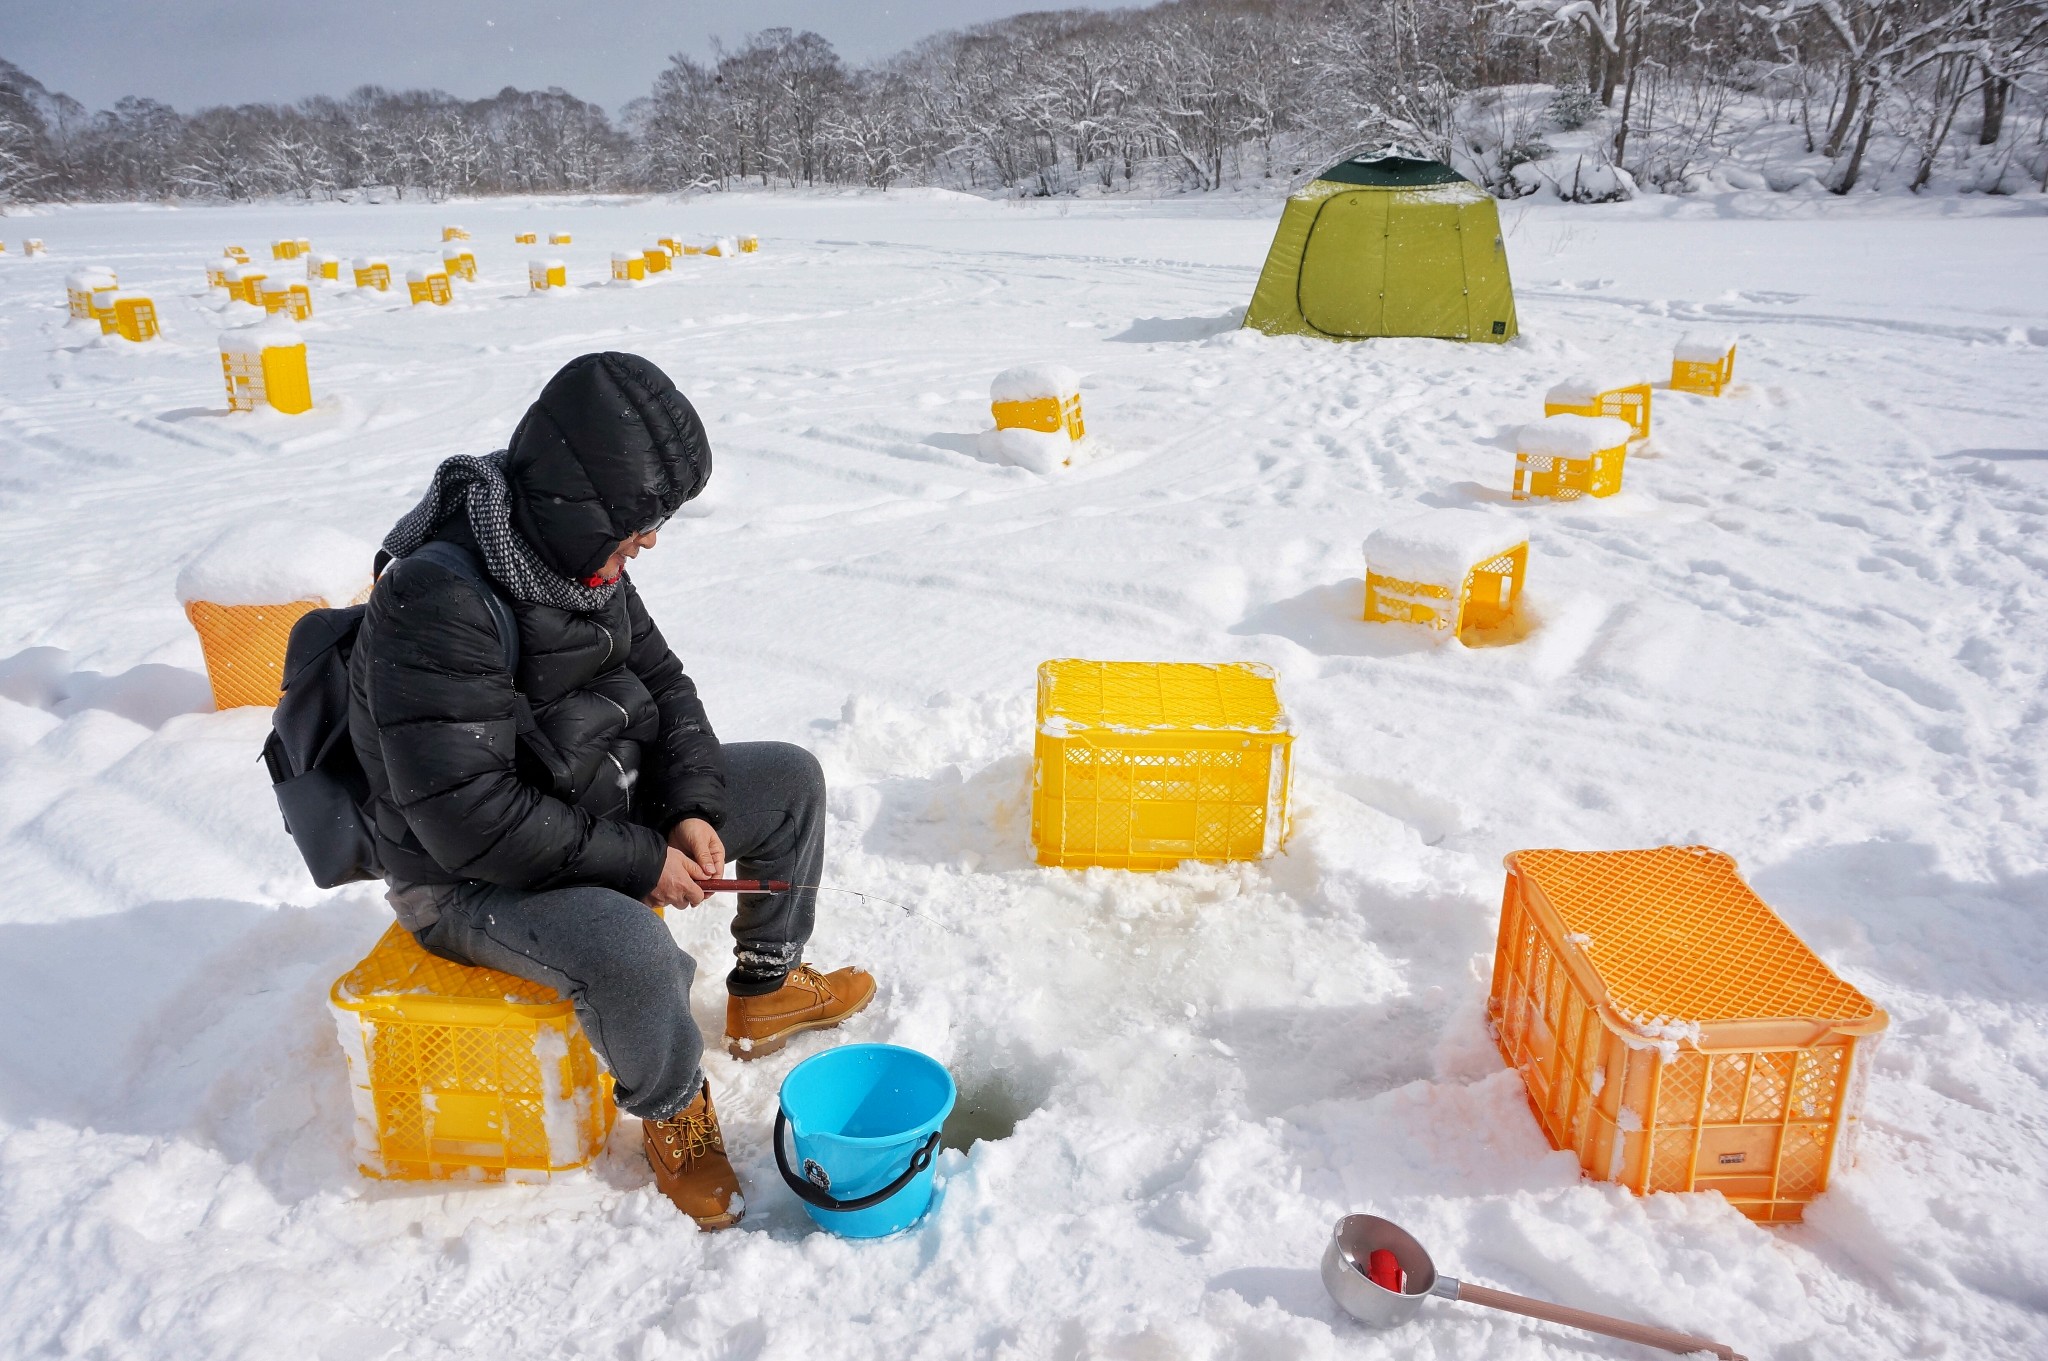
(460, 561)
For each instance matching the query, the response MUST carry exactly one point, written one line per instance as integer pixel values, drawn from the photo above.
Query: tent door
(1343, 266)
(1425, 267)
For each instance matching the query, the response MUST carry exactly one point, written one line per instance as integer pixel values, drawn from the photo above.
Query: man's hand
(677, 886)
(698, 839)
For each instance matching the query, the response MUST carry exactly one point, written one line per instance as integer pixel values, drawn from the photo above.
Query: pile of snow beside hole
(274, 562)
(1703, 347)
(1443, 545)
(1573, 437)
(1032, 382)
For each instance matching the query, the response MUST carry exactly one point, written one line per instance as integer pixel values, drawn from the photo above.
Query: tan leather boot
(687, 1152)
(807, 1000)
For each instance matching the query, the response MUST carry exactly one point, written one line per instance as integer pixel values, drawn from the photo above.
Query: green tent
(1387, 246)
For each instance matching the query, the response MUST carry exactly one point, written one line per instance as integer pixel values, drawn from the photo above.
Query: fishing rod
(779, 886)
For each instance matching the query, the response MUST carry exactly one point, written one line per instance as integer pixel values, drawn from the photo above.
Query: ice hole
(991, 1103)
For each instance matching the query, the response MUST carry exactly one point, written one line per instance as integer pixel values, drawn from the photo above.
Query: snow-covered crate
(285, 249)
(33, 247)
(134, 317)
(265, 364)
(460, 264)
(526, 238)
(372, 271)
(657, 258)
(1142, 765)
(320, 267)
(283, 298)
(1453, 570)
(79, 288)
(1703, 362)
(560, 239)
(1044, 397)
(628, 268)
(103, 301)
(1673, 1033)
(462, 1073)
(545, 274)
(1566, 457)
(217, 271)
(428, 285)
(1627, 399)
(236, 253)
(245, 284)
(245, 590)
(455, 233)
(749, 244)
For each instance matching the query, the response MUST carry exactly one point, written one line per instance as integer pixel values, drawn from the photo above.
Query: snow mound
(1573, 436)
(271, 562)
(1041, 451)
(1029, 382)
(1442, 545)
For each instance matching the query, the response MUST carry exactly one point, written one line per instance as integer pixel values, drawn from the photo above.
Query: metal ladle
(1357, 1237)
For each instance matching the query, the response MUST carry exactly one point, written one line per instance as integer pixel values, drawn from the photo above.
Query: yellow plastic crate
(320, 267)
(372, 273)
(560, 239)
(293, 300)
(545, 274)
(1456, 571)
(264, 367)
(628, 268)
(135, 317)
(236, 253)
(1544, 468)
(1142, 765)
(657, 260)
(462, 1073)
(525, 238)
(285, 250)
(1704, 364)
(749, 244)
(1579, 397)
(1672, 1032)
(80, 288)
(430, 286)
(32, 246)
(455, 233)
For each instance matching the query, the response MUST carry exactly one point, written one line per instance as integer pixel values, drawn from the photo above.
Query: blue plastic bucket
(865, 1122)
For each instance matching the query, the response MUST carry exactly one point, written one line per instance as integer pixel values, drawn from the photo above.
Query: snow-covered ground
(1809, 632)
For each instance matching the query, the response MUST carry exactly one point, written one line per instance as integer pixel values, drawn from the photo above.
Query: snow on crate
(1442, 545)
(1703, 347)
(272, 562)
(1037, 411)
(1573, 437)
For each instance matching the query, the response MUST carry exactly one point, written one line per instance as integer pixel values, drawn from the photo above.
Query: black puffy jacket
(623, 750)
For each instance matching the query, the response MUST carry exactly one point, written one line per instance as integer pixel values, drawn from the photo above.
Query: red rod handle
(744, 885)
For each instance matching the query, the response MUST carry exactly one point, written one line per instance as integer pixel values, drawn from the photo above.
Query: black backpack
(320, 785)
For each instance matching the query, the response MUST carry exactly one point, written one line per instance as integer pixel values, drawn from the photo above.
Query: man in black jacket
(527, 822)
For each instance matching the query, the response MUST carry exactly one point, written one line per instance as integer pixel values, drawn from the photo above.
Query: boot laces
(696, 1133)
(808, 978)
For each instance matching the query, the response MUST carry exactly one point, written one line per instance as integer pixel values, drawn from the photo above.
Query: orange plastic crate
(465, 1073)
(1673, 1033)
(244, 647)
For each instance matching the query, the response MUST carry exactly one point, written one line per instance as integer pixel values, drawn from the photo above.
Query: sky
(192, 53)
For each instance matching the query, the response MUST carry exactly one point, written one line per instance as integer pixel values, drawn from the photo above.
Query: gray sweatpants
(615, 960)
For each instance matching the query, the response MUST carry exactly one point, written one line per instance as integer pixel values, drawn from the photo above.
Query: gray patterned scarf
(478, 484)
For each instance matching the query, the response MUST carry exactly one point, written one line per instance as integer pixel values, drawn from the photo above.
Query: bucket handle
(825, 1200)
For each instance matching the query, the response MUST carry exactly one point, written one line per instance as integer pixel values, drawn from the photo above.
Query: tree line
(1189, 94)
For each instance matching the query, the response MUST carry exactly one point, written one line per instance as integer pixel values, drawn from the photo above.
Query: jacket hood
(609, 449)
